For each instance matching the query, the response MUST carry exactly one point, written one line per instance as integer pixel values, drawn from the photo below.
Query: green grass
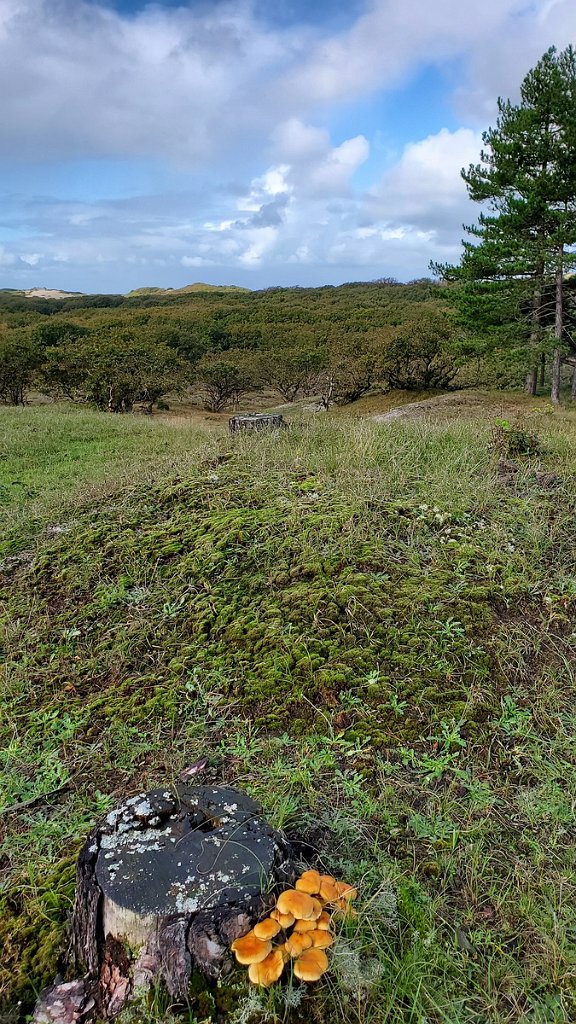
(52, 456)
(363, 628)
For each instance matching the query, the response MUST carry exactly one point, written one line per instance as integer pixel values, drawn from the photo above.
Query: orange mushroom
(309, 882)
(267, 971)
(311, 965)
(323, 921)
(304, 926)
(250, 950)
(328, 889)
(302, 906)
(284, 920)
(266, 929)
(297, 943)
(346, 891)
(321, 939)
(317, 909)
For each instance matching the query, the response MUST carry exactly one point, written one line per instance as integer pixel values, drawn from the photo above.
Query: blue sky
(255, 143)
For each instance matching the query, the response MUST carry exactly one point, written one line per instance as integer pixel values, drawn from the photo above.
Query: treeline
(217, 345)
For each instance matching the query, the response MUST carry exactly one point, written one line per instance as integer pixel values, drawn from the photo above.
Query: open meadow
(368, 626)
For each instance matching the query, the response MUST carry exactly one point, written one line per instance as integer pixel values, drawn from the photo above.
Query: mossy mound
(288, 597)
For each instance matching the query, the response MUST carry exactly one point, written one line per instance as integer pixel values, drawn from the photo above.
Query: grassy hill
(198, 286)
(366, 626)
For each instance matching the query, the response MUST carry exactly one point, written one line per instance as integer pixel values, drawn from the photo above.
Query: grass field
(52, 457)
(361, 624)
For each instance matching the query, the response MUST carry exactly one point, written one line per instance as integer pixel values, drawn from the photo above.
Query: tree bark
(535, 330)
(556, 373)
(531, 378)
(558, 331)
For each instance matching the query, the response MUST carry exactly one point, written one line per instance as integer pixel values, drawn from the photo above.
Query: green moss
(32, 926)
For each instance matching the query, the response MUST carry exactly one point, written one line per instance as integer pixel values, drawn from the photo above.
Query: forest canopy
(217, 344)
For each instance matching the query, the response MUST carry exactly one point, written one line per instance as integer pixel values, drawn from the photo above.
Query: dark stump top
(185, 850)
(256, 421)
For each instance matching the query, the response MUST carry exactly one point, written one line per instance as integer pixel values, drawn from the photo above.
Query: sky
(257, 143)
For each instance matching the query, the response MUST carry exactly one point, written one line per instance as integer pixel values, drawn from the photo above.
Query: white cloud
(194, 261)
(392, 36)
(260, 243)
(496, 65)
(332, 175)
(425, 188)
(196, 83)
(296, 142)
(78, 79)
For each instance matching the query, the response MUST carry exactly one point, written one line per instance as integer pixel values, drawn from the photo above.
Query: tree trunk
(535, 330)
(531, 378)
(556, 373)
(573, 388)
(542, 369)
(558, 331)
(164, 885)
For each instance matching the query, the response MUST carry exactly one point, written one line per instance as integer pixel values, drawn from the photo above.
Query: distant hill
(59, 293)
(50, 293)
(198, 286)
(148, 291)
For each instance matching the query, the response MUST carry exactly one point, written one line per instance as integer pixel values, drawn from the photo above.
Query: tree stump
(164, 885)
(256, 421)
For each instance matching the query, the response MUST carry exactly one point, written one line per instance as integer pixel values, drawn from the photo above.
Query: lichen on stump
(256, 421)
(164, 885)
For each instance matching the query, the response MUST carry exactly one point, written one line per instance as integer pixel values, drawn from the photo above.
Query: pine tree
(527, 177)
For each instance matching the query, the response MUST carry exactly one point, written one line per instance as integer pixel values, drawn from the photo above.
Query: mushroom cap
(303, 926)
(266, 929)
(297, 943)
(317, 909)
(267, 971)
(309, 882)
(284, 920)
(323, 921)
(311, 965)
(328, 888)
(346, 891)
(321, 939)
(250, 949)
(297, 903)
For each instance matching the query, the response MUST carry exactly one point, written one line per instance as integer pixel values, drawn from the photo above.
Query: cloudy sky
(258, 142)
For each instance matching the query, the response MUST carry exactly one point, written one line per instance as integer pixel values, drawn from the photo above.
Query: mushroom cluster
(302, 921)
